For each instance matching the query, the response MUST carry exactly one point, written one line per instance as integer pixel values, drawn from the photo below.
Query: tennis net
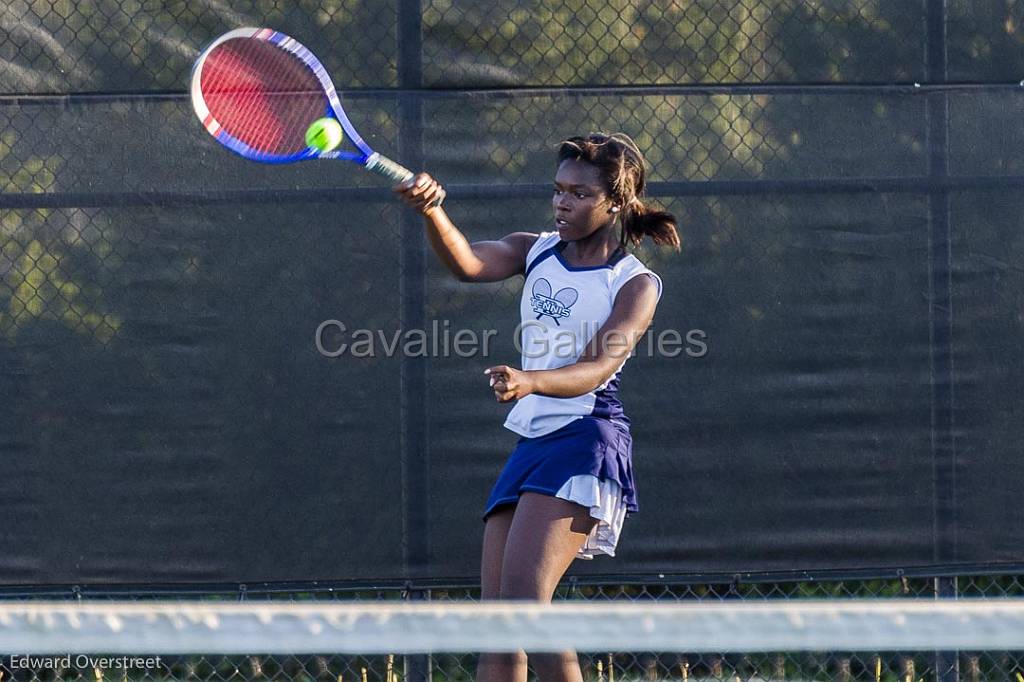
(842, 639)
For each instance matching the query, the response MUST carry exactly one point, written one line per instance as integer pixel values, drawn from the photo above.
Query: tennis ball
(324, 134)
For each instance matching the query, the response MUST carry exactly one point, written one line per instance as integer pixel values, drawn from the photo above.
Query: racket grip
(392, 170)
(388, 168)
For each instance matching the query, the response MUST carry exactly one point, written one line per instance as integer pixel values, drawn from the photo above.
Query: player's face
(581, 203)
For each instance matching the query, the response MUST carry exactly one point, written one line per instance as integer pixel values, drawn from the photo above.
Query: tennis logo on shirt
(556, 306)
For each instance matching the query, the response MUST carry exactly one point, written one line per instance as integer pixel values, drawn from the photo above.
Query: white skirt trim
(604, 499)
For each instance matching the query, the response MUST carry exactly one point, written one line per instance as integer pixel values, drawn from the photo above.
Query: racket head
(257, 90)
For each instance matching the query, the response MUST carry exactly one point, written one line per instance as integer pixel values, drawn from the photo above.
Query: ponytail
(639, 221)
(622, 167)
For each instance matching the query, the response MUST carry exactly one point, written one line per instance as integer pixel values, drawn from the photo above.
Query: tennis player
(568, 484)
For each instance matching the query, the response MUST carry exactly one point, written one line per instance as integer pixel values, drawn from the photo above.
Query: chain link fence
(124, 246)
(57, 47)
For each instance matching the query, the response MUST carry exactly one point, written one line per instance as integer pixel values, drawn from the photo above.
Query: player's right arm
(487, 261)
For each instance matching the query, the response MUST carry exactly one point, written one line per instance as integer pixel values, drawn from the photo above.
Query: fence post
(940, 302)
(415, 469)
(947, 663)
(418, 667)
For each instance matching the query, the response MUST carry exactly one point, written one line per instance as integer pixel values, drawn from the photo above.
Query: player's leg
(495, 535)
(545, 535)
(493, 667)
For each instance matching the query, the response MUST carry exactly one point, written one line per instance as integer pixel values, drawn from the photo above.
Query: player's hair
(623, 170)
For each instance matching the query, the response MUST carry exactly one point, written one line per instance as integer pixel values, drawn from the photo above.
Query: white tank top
(562, 308)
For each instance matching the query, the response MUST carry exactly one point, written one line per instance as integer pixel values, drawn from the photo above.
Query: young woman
(568, 484)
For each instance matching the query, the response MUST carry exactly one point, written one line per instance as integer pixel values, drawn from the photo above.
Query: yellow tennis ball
(324, 134)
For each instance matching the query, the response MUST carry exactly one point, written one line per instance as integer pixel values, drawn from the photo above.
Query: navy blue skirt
(589, 445)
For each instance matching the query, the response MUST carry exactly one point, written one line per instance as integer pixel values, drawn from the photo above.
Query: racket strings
(261, 95)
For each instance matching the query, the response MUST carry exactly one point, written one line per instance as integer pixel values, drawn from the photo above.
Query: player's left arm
(631, 315)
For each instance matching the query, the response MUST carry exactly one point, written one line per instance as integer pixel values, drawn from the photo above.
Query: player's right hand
(420, 192)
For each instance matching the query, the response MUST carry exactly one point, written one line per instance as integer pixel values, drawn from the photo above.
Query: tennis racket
(257, 91)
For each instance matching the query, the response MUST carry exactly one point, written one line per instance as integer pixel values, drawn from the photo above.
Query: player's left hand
(509, 383)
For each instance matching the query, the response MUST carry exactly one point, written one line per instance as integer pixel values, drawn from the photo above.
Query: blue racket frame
(332, 106)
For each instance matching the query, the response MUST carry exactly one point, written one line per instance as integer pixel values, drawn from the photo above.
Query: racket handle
(392, 170)
(388, 168)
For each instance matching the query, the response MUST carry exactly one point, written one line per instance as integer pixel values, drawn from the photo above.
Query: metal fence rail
(911, 666)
